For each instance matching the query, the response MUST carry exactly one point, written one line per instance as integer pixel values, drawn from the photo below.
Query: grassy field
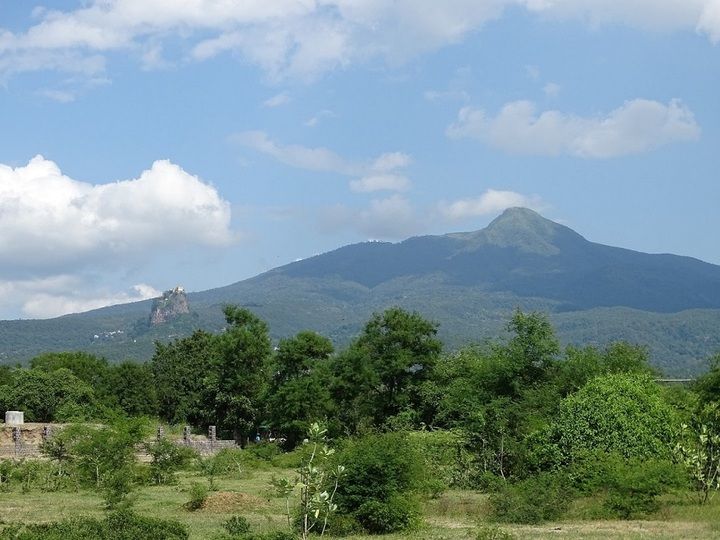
(454, 515)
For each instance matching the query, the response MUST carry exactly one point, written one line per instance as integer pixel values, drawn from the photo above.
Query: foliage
(318, 480)
(397, 513)
(198, 494)
(635, 485)
(243, 352)
(298, 393)
(41, 394)
(181, 373)
(380, 374)
(131, 388)
(166, 459)
(622, 413)
(699, 451)
(493, 532)
(536, 499)
(382, 473)
(120, 525)
(236, 526)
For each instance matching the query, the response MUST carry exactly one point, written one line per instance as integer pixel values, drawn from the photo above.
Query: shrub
(376, 468)
(634, 486)
(382, 472)
(122, 525)
(236, 526)
(399, 513)
(493, 532)
(198, 495)
(534, 500)
(167, 458)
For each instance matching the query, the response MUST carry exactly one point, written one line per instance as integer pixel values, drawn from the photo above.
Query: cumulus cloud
(41, 305)
(50, 222)
(379, 174)
(304, 38)
(490, 202)
(637, 126)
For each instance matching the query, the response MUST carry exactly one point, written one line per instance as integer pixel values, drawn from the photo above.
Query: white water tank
(15, 418)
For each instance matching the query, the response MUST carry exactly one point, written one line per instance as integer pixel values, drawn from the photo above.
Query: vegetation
(385, 436)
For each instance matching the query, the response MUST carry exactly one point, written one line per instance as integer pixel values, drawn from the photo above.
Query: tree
(86, 367)
(47, 396)
(708, 386)
(131, 387)
(381, 372)
(183, 371)
(243, 354)
(298, 393)
(623, 414)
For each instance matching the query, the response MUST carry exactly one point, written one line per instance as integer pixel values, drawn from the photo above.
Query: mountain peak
(526, 230)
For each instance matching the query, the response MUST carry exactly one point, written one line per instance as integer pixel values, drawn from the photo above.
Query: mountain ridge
(469, 282)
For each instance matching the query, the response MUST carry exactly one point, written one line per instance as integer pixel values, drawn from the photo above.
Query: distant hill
(468, 282)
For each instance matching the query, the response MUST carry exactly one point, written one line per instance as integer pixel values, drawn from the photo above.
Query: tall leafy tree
(243, 354)
(298, 393)
(131, 387)
(382, 371)
(184, 373)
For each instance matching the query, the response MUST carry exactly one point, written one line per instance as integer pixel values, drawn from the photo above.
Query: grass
(454, 515)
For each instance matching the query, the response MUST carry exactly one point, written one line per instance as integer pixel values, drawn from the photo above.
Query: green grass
(454, 515)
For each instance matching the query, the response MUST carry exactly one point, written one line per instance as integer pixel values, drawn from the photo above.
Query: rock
(169, 306)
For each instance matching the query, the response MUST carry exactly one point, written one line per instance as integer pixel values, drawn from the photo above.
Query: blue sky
(150, 143)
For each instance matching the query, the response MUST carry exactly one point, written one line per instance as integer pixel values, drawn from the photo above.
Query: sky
(146, 144)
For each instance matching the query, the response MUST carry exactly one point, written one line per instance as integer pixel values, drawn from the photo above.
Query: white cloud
(490, 202)
(390, 218)
(295, 155)
(380, 182)
(50, 223)
(277, 100)
(45, 305)
(551, 89)
(377, 175)
(61, 96)
(637, 126)
(304, 38)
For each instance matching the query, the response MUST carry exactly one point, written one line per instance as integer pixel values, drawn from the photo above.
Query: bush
(167, 458)
(399, 513)
(382, 473)
(198, 495)
(236, 526)
(376, 468)
(534, 500)
(493, 532)
(122, 525)
(634, 486)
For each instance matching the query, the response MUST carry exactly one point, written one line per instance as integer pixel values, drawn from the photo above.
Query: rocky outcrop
(169, 306)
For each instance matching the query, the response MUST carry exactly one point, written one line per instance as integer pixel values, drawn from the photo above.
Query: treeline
(533, 423)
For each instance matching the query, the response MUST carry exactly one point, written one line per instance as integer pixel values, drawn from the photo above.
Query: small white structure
(15, 418)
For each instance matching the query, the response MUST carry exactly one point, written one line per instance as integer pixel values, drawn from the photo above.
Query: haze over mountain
(468, 282)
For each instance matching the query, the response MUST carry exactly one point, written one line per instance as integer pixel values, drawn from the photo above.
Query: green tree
(86, 367)
(623, 414)
(45, 396)
(131, 387)
(243, 354)
(382, 372)
(298, 393)
(183, 372)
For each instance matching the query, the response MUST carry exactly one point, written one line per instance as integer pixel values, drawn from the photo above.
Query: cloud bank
(637, 126)
(55, 231)
(304, 38)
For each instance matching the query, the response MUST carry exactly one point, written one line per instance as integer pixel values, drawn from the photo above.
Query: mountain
(468, 282)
